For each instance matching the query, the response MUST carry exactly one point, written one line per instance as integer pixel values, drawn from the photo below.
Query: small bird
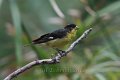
(58, 38)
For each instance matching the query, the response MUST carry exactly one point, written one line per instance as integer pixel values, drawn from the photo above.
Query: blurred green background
(95, 58)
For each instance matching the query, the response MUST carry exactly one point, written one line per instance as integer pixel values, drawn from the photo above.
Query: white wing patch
(51, 37)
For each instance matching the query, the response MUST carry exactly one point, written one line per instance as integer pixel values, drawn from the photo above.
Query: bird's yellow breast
(61, 43)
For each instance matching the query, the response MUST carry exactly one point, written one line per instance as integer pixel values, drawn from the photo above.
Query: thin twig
(54, 60)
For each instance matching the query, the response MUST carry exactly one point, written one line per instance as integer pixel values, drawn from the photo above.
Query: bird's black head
(70, 27)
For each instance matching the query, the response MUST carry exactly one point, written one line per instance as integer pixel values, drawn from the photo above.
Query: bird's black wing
(51, 36)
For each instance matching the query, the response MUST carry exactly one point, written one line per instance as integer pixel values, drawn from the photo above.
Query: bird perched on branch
(58, 38)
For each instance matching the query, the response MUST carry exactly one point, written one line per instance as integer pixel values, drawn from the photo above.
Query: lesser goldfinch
(58, 38)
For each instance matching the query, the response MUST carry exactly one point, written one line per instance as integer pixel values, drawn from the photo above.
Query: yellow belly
(58, 43)
(61, 43)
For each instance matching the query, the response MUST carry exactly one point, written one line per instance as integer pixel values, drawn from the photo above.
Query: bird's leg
(52, 56)
(61, 52)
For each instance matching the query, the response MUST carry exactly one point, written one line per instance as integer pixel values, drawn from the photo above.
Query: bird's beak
(77, 27)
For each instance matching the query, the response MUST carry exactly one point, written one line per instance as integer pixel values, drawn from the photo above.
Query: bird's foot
(61, 52)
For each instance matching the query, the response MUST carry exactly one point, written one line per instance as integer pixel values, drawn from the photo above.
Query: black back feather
(47, 37)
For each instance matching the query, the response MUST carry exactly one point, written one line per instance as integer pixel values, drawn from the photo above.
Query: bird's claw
(61, 52)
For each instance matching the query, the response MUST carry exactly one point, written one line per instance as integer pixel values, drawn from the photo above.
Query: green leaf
(17, 24)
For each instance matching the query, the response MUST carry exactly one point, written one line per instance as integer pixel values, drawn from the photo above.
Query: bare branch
(54, 60)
